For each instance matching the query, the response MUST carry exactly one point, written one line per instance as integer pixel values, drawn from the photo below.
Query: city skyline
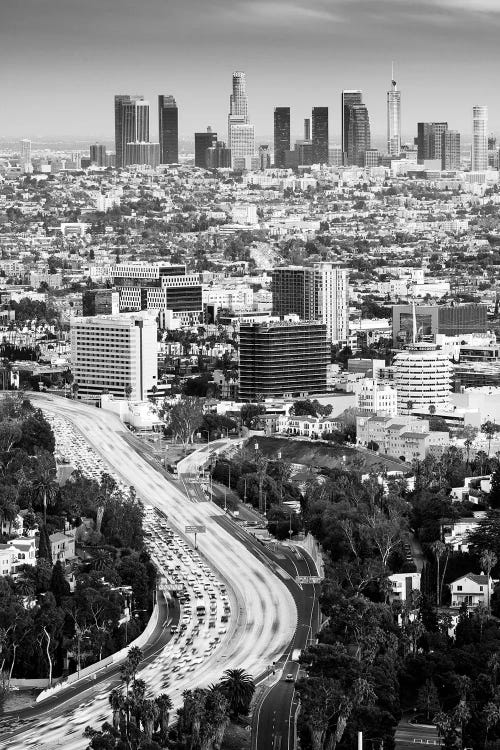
(105, 49)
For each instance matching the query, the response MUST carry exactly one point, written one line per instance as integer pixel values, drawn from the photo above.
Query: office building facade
(98, 155)
(479, 162)
(114, 354)
(202, 142)
(449, 320)
(142, 154)
(240, 133)
(320, 135)
(394, 120)
(358, 135)
(282, 359)
(131, 124)
(450, 150)
(429, 140)
(281, 135)
(168, 129)
(349, 98)
(25, 155)
(218, 156)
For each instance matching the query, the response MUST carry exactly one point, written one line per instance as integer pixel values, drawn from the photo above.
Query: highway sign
(308, 579)
(195, 529)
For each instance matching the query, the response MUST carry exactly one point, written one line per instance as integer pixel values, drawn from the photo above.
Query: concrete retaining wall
(93, 669)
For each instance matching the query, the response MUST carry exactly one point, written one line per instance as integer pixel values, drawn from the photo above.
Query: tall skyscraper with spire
(168, 129)
(240, 134)
(131, 124)
(393, 119)
(479, 139)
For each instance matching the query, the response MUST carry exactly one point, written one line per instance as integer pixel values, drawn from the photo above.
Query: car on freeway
(289, 677)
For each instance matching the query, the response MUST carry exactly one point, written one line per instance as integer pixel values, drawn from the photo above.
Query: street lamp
(280, 478)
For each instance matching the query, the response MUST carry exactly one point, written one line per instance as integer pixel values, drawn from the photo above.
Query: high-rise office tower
(131, 124)
(429, 140)
(281, 134)
(320, 135)
(240, 134)
(238, 102)
(479, 139)
(358, 140)
(142, 153)
(98, 154)
(450, 149)
(349, 97)
(282, 359)
(168, 129)
(318, 292)
(393, 119)
(218, 156)
(202, 141)
(307, 129)
(25, 155)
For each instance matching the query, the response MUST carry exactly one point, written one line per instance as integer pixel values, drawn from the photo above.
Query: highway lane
(274, 717)
(265, 616)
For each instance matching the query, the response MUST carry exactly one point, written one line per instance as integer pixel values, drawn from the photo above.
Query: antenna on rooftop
(392, 74)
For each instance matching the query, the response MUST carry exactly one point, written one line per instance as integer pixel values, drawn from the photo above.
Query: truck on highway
(296, 654)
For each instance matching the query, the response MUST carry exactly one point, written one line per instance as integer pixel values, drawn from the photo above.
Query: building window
(459, 588)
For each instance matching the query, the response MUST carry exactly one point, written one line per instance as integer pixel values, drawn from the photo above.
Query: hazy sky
(61, 61)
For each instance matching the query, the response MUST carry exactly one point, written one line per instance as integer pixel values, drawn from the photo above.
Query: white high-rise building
(394, 119)
(114, 353)
(422, 377)
(479, 139)
(240, 134)
(25, 149)
(332, 298)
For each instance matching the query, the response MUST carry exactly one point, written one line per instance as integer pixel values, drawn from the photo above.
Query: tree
(44, 546)
(238, 687)
(494, 496)
(428, 699)
(165, 705)
(58, 583)
(488, 561)
(438, 548)
(185, 417)
(489, 428)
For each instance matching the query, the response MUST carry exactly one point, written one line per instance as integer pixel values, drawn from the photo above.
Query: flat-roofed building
(114, 353)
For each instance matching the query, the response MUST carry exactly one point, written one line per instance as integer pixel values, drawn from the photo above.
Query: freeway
(266, 615)
(274, 716)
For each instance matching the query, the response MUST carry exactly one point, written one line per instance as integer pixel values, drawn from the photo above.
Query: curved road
(266, 619)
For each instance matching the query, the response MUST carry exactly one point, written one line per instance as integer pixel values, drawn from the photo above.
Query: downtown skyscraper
(281, 134)
(240, 134)
(429, 140)
(320, 135)
(356, 134)
(393, 119)
(168, 129)
(479, 161)
(131, 124)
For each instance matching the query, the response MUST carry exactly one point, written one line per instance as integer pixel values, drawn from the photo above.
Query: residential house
(62, 545)
(472, 590)
(17, 552)
(403, 584)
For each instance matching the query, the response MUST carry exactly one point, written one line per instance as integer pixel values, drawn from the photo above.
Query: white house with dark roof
(472, 590)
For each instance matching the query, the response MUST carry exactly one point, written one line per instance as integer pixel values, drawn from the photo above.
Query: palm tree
(438, 549)
(239, 687)
(149, 715)
(432, 410)
(489, 429)
(165, 705)
(468, 446)
(134, 658)
(116, 703)
(45, 488)
(488, 561)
